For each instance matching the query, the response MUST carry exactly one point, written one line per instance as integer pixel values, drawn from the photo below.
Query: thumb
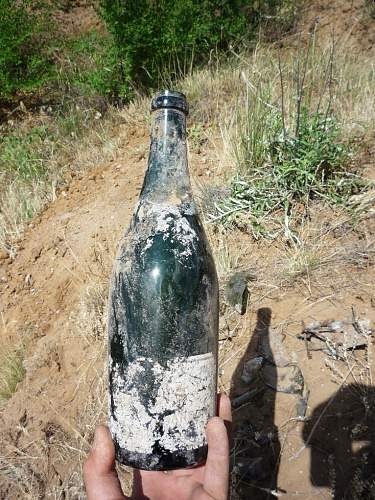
(99, 471)
(216, 475)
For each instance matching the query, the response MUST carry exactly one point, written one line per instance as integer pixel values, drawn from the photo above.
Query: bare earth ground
(52, 296)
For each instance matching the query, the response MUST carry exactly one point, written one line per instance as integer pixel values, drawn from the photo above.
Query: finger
(99, 471)
(216, 473)
(225, 408)
(225, 412)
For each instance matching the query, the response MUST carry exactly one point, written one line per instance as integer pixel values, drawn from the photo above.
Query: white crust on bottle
(172, 223)
(176, 419)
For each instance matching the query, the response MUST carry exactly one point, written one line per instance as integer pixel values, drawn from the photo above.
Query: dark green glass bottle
(163, 312)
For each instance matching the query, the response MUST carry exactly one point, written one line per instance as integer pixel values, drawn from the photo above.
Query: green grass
(28, 152)
(287, 142)
(284, 173)
(87, 67)
(36, 157)
(27, 40)
(370, 8)
(22, 153)
(11, 372)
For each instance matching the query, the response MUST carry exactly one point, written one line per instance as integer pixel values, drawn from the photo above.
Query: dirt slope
(347, 21)
(47, 424)
(41, 289)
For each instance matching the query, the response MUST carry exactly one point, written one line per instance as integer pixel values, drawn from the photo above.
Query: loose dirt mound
(55, 264)
(61, 260)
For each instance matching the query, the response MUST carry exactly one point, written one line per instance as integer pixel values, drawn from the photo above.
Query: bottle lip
(170, 99)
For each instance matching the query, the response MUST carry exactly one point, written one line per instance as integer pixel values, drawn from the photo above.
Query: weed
(300, 262)
(25, 158)
(35, 157)
(25, 58)
(370, 8)
(209, 194)
(11, 372)
(20, 154)
(196, 137)
(286, 146)
(86, 67)
(20, 200)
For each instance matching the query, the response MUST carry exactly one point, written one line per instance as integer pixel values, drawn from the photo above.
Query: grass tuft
(93, 312)
(37, 156)
(287, 136)
(11, 372)
(370, 8)
(277, 179)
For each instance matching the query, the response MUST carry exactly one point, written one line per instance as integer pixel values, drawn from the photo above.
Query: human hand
(205, 482)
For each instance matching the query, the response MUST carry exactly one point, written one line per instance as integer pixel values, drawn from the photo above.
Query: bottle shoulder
(177, 225)
(168, 236)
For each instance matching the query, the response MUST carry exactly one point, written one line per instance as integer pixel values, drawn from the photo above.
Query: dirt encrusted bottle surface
(163, 312)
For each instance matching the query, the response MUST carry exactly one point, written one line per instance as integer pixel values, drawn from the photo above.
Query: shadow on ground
(340, 435)
(256, 446)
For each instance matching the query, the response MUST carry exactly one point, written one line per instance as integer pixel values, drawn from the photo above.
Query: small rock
(271, 347)
(236, 292)
(28, 279)
(287, 379)
(3, 255)
(251, 369)
(35, 253)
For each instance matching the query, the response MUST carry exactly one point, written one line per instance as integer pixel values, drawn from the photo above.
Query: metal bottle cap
(170, 99)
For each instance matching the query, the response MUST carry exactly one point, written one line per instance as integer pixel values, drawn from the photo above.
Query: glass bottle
(163, 312)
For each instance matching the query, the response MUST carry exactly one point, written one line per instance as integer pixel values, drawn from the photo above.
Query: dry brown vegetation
(53, 390)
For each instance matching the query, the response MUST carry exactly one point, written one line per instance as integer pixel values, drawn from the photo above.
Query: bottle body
(163, 317)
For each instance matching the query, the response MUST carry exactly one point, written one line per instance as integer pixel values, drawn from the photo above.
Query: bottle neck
(167, 177)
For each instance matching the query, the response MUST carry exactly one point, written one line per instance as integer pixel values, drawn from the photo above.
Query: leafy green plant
(296, 170)
(20, 154)
(286, 144)
(11, 372)
(169, 37)
(25, 58)
(313, 163)
(88, 66)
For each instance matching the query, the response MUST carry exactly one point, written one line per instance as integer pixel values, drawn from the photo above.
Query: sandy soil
(48, 423)
(345, 20)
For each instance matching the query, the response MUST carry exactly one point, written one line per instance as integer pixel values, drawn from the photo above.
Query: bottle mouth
(170, 99)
